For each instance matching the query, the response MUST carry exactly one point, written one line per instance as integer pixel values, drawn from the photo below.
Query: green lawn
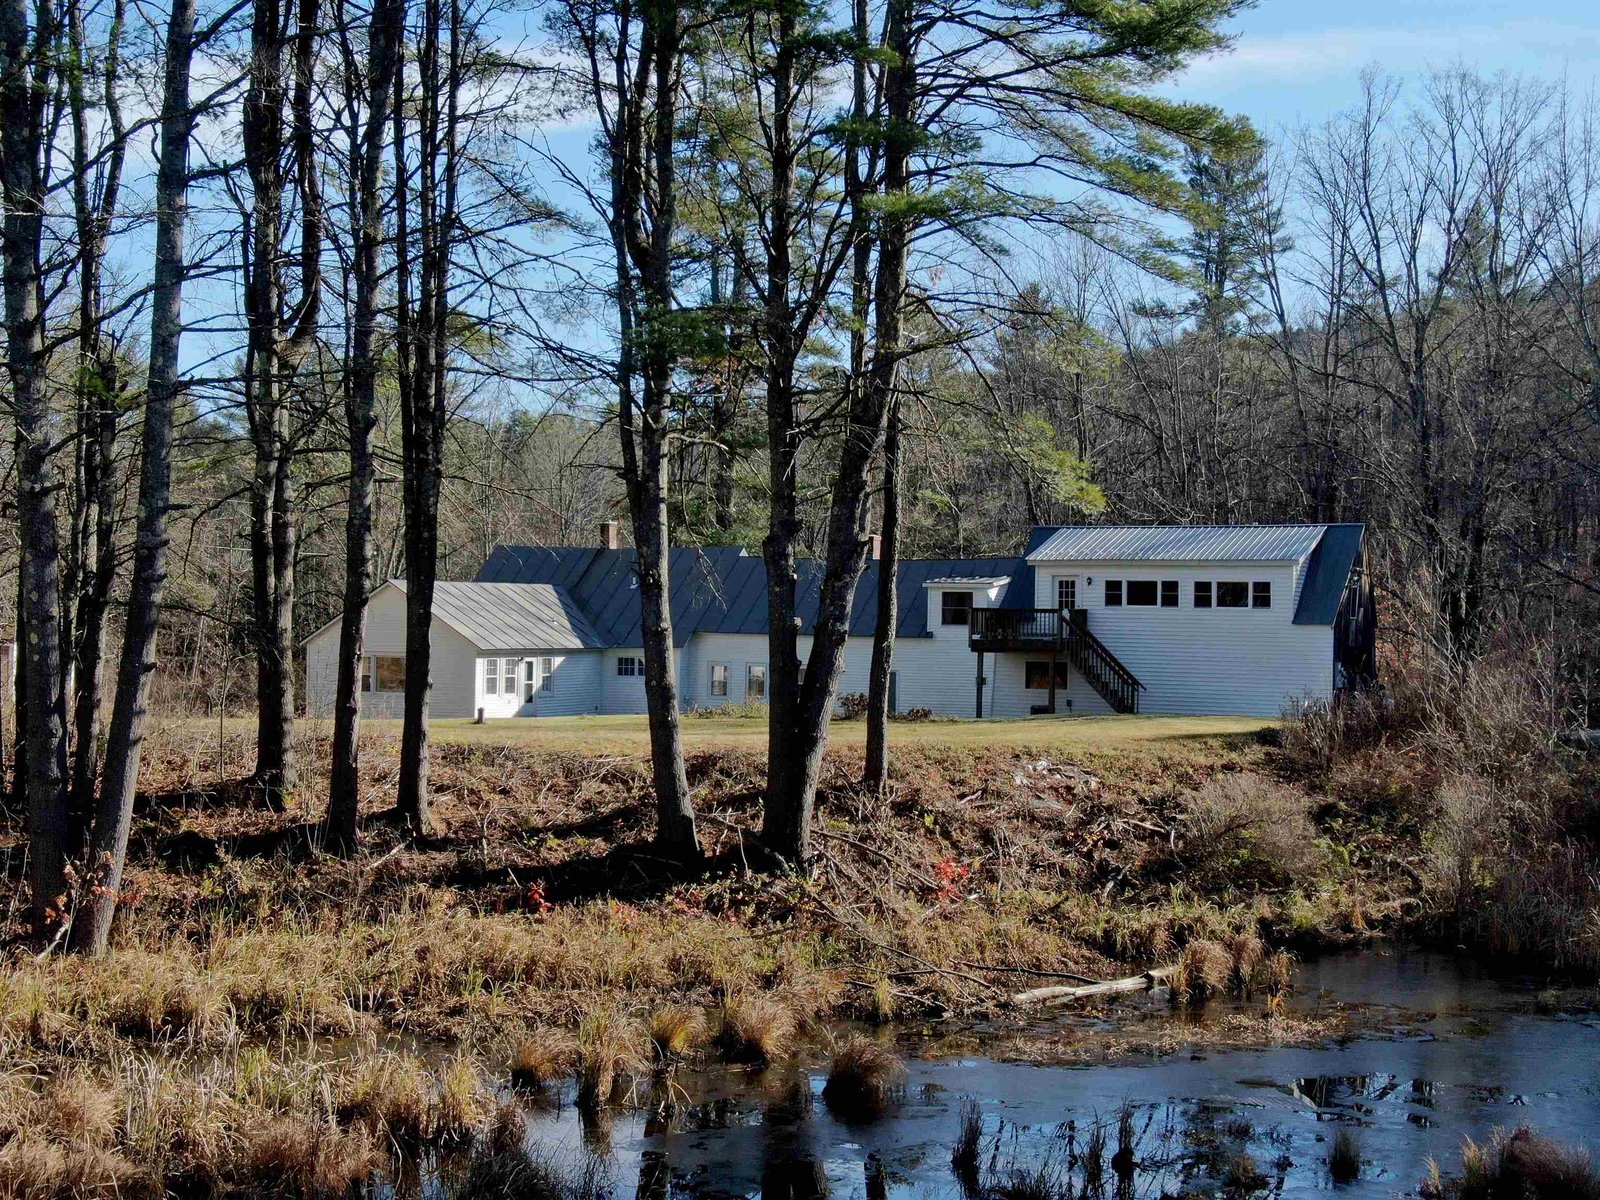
(614, 734)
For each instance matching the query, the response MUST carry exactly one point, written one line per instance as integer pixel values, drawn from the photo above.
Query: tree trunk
(344, 792)
(423, 408)
(791, 792)
(114, 813)
(99, 395)
(876, 774)
(265, 405)
(647, 356)
(783, 428)
(25, 89)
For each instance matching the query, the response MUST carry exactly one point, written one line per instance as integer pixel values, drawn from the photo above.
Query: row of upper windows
(955, 608)
(1206, 593)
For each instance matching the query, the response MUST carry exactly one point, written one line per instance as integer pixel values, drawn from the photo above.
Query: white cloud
(1342, 51)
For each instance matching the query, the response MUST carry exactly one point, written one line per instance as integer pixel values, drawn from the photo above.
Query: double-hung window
(629, 665)
(1113, 593)
(719, 679)
(547, 674)
(755, 681)
(491, 677)
(1261, 593)
(1202, 593)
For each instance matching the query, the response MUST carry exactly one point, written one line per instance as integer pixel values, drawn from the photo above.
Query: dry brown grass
(675, 1032)
(755, 1029)
(542, 1058)
(863, 1079)
(536, 933)
(1517, 1165)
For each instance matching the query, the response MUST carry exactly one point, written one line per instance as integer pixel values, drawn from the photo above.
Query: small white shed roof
(1179, 543)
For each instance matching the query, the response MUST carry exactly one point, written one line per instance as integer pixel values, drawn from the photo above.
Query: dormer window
(955, 608)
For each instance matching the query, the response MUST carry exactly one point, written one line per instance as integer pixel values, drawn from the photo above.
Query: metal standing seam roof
(722, 589)
(513, 616)
(1179, 543)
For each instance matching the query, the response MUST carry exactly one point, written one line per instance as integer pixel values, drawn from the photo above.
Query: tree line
(299, 297)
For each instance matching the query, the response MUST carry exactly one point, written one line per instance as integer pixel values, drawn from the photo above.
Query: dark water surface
(1446, 1052)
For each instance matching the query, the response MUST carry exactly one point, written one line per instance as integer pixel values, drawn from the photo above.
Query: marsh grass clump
(1125, 1158)
(607, 1053)
(1241, 1174)
(1092, 1159)
(675, 1031)
(1344, 1156)
(462, 1103)
(1204, 968)
(864, 1078)
(1044, 1180)
(965, 1153)
(1519, 1165)
(541, 1059)
(389, 1095)
(300, 1156)
(755, 1029)
(502, 1167)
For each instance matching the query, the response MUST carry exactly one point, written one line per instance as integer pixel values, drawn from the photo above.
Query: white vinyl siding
(455, 676)
(1251, 661)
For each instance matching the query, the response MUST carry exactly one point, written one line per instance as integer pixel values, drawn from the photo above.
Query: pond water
(1443, 1052)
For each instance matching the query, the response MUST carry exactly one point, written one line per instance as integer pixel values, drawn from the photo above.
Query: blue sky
(1299, 61)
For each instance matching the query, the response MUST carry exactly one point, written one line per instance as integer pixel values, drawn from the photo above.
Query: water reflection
(1455, 1056)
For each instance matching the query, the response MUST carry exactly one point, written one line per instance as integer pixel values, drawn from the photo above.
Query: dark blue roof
(1327, 570)
(721, 589)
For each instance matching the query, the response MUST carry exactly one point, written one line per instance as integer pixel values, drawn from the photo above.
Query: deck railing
(1016, 627)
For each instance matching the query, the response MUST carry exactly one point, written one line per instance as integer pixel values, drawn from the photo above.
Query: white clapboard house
(1248, 619)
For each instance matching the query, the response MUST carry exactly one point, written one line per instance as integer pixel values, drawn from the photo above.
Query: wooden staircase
(1058, 633)
(1117, 685)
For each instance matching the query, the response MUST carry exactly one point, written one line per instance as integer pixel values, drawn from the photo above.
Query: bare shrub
(1244, 828)
(852, 706)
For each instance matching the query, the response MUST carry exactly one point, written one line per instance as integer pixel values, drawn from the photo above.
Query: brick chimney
(610, 535)
(875, 546)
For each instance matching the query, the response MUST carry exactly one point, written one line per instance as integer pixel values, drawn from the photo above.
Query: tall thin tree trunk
(125, 741)
(644, 382)
(264, 396)
(423, 396)
(876, 774)
(99, 396)
(783, 424)
(24, 96)
(366, 163)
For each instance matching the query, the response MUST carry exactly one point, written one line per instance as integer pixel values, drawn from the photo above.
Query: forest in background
(301, 297)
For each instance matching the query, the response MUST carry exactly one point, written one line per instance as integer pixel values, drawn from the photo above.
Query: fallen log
(1050, 996)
